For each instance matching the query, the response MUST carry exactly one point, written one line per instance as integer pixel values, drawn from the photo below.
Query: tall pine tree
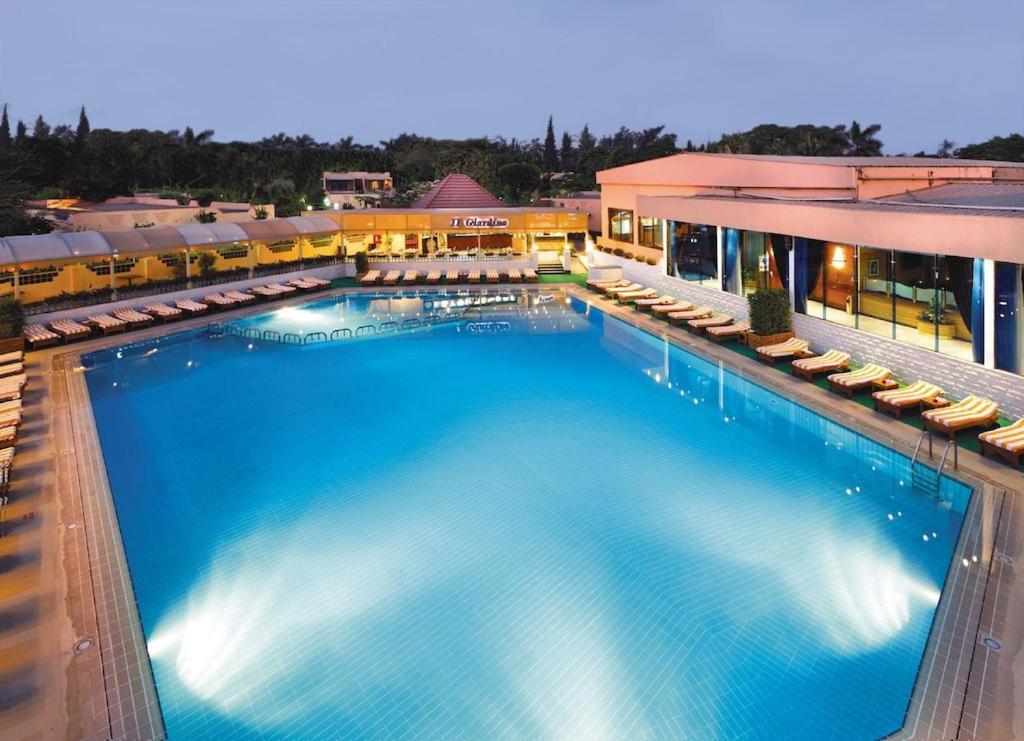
(82, 132)
(5, 129)
(550, 152)
(567, 155)
(21, 132)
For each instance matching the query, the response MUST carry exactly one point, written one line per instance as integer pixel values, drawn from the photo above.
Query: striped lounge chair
(728, 332)
(715, 320)
(369, 277)
(898, 400)
(1005, 442)
(36, 335)
(794, 347)
(973, 411)
(864, 377)
(134, 318)
(830, 362)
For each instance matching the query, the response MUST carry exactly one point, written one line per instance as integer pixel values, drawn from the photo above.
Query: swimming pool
(529, 520)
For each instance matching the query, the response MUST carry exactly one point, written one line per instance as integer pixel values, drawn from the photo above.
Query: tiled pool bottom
(583, 533)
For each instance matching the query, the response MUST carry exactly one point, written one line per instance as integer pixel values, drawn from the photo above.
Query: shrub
(362, 262)
(652, 261)
(205, 263)
(12, 317)
(770, 312)
(206, 217)
(618, 252)
(627, 254)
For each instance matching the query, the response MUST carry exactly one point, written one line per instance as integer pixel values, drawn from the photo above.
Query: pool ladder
(930, 484)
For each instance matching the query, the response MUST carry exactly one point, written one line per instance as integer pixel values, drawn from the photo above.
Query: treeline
(64, 161)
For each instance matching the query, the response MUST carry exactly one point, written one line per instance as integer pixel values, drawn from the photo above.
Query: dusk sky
(924, 70)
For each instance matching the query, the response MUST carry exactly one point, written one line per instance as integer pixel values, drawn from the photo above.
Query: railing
(216, 330)
(455, 257)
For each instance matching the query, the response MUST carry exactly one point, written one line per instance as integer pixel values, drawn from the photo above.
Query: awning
(6, 255)
(312, 224)
(200, 235)
(163, 238)
(86, 244)
(269, 230)
(126, 241)
(38, 248)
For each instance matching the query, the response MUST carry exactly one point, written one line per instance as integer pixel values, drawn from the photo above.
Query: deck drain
(83, 645)
(991, 642)
(1004, 559)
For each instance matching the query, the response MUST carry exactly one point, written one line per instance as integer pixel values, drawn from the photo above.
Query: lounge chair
(514, 275)
(265, 292)
(599, 284)
(409, 277)
(974, 411)
(614, 291)
(898, 400)
(11, 369)
(1006, 442)
(8, 436)
(451, 276)
(645, 304)
(492, 276)
(830, 362)
(239, 297)
(473, 276)
(36, 335)
(369, 277)
(794, 347)
(69, 329)
(194, 308)
(163, 312)
(106, 324)
(728, 332)
(11, 418)
(12, 357)
(302, 284)
(715, 320)
(282, 288)
(134, 318)
(218, 300)
(698, 312)
(434, 277)
(530, 275)
(628, 297)
(14, 405)
(850, 382)
(663, 310)
(12, 386)
(392, 277)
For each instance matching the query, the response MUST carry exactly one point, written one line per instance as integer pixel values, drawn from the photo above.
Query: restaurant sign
(480, 222)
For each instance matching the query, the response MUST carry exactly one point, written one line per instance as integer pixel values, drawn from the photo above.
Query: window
(620, 224)
(281, 246)
(37, 275)
(876, 299)
(233, 253)
(693, 252)
(171, 259)
(121, 266)
(1009, 324)
(324, 241)
(652, 232)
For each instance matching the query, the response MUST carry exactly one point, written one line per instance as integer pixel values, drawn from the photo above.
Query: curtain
(781, 255)
(966, 280)
(978, 312)
(1009, 323)
(730, 280)
(800, 275)
(814, 257)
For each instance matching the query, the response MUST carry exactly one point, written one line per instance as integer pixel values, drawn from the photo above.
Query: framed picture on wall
(874, 265)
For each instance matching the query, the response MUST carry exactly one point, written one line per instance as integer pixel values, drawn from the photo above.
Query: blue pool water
(535, 521)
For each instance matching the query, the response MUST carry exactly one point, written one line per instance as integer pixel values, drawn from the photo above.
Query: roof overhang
(961, 232)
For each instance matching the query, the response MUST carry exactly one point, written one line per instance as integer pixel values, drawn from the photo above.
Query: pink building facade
(924, 252)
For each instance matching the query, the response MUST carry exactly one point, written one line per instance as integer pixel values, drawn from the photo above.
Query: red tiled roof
(458, 191)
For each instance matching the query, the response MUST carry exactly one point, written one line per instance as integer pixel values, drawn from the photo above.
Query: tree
(566, 155)
(206, 262)
(519, 178)
(5, 129)
(41, 130)
(1005, 148)
(82, 132)
(863, 142)
(206, 217)
(21, 132)
(550, 153)
(587, 140)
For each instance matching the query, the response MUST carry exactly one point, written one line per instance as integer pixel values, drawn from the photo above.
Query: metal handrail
(343, 332)
(956, 463)
(388, 327)
(313, 337)
(291, 338)
(365, 330)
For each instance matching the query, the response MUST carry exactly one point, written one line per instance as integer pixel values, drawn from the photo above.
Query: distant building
(587, 200)
(75, 214)
(356, 189)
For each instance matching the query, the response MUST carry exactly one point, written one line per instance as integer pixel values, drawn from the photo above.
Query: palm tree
(863, 142)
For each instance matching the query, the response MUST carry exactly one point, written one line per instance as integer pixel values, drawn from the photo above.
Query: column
(792, 272)
(113, 285)
(17, 283)
(249, 248)
(989, 273)
(664, 241)
(720, 256)
(188, 269)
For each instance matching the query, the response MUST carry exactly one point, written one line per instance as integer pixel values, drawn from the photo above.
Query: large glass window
(652, 232)
(759, 267)
(1009, 316)
(620, 224)
(840, 294)
(954, 310)
(876, 299)
(693, 252)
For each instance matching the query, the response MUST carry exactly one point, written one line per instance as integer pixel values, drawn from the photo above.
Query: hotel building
(925, 254)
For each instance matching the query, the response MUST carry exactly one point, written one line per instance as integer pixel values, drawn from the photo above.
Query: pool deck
(72, 657)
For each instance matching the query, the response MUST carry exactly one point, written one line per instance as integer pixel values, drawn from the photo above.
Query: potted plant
(936, 314)
(362, 263)
(771, 318)
(12, 324)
